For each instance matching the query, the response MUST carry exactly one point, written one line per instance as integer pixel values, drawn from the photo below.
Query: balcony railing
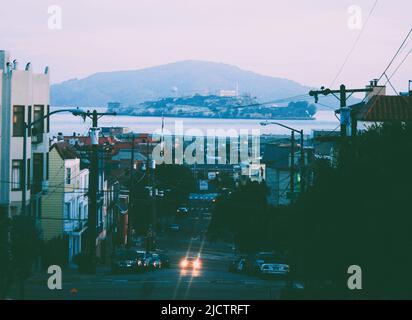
(73, 225)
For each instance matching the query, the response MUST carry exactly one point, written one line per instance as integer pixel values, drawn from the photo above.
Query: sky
(305, 41)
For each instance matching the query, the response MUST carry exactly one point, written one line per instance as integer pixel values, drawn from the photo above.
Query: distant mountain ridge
(183, 78)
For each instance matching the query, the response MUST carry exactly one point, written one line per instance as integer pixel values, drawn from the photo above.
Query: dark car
(255, 263)
(125, 260)
(153, 261)
(238, 265)
(165, 261)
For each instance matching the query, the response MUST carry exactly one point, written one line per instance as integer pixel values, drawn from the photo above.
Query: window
(68, 175)
(17, 175)
(28, 174)
(67, 210)
(18, 121)
(48, 119)
(38, 159)
(85, 212)
(47, 166)
(38, 127)
(29, 120)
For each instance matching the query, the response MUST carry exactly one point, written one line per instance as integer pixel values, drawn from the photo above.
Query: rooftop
(384, 108)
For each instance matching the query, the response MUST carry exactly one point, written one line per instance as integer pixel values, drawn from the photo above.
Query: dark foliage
(359, 213)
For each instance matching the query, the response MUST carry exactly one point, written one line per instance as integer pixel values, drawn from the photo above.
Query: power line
(396, 54)
(354, 44)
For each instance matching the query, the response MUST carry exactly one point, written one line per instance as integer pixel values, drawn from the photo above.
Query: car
(182, 211)
(174, 227)
(237, 265)
(142, 256)
(255, 263)
(125, 260)
(165, 261)
(274, 269)
(153, 261)
(194, 263)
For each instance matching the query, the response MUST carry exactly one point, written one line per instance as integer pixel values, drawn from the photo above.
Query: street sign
(203, 185)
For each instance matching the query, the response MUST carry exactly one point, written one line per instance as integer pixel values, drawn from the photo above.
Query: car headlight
(184, 263)
(197, 264)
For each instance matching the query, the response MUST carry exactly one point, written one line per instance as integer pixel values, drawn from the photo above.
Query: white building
(24, 98)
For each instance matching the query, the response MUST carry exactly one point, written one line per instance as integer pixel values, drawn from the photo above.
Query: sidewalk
(69, 275)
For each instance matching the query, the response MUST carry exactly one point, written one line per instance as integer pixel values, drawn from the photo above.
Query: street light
(292, 152)
(27, 127)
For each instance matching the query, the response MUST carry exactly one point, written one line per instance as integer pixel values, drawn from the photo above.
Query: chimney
(377, 90)
(60, 137)
(4, 59)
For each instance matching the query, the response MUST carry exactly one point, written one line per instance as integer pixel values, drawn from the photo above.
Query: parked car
(238, 265)
(184, 211)
(165, 261)
(174, 227)
(274, 269)
(142, 256)
(125, 260)
(254, 264)
(152, 261)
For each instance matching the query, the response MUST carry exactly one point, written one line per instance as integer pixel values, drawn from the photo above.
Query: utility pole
(94, 191)
(344, 95)
(27, 127)
(292, 168)
(130, 219)
(292, 164)
(24, 181)
(302, 163)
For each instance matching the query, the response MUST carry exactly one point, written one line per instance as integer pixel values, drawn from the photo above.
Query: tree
(5, 257)
(25, 246)
(358, 213)
(243, 213)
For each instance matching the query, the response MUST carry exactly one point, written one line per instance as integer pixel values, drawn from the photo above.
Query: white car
(274, 269)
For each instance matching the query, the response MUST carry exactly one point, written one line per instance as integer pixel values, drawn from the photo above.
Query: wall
(53, 200)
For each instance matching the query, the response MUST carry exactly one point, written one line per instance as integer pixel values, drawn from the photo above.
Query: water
(68, 124)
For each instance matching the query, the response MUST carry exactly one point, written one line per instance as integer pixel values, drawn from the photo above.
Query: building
(113, 105)
(64, 208)
(122, 159)
(114, 131)
(278, 160)
(382, 109)
(24, 98)
(254, 172)
(324, 144)
(377, 107)
(227, 93)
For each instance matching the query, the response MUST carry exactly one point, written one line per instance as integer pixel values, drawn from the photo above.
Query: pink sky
(306, 41)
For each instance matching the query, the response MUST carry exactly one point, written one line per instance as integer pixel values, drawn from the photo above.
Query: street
(213, 281)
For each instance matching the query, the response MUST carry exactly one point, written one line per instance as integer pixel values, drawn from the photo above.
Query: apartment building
(24, 98)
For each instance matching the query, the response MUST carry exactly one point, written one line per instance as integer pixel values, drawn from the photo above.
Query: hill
(181, 78)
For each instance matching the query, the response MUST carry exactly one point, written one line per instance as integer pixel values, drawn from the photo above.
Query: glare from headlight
(196, 264)
(184, 263)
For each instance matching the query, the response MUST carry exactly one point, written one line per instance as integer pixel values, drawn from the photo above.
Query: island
(214, 106)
